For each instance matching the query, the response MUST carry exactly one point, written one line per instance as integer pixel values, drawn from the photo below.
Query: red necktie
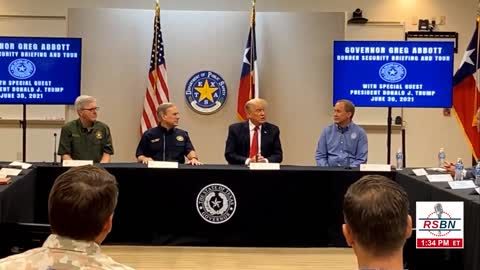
(254, 146)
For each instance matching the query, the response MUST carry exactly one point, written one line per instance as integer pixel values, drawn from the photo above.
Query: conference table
(296, 206)
(293, 206)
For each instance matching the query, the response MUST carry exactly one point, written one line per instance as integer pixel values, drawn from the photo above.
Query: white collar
(251, 126)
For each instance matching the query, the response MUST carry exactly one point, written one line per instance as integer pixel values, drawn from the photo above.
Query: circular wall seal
(21, 68)
(216, 203)
(206, 92)
(392, 72)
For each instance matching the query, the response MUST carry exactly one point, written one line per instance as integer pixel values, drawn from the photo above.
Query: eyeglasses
(92, 109)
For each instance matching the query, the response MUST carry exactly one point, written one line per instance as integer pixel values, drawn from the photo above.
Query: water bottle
(459, 170)
(477, 174)
(441, 157)
(399, 158)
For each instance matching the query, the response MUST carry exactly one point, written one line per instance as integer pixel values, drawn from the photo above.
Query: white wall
(294, 68)
(427, 129)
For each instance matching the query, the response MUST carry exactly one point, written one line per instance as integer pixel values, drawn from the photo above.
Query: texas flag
(248, 88)
(466, 96)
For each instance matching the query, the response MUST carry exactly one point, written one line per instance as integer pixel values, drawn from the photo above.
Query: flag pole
(252, 46)
(476, 62)
(475, 97)
(155, 41)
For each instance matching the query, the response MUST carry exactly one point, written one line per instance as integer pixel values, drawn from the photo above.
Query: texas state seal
(206, 92)
(216, 203)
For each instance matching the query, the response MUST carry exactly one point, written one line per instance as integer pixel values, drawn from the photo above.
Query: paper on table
(437, 169)
(76, 163)
(10, 171)
(461, 184)
(375, 168)
(439, 177)
(162, 164)
(22, 164)
(264, 166)
(419, 172)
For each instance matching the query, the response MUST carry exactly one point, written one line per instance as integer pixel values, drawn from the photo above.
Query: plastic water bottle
(458, 170)
(477, 174)
(441, 157)
(399, 158)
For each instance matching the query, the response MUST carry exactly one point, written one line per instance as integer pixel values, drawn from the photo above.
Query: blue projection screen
(393, 73)
(37, 70)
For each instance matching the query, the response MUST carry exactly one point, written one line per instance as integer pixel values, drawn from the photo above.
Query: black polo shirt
(161, 144)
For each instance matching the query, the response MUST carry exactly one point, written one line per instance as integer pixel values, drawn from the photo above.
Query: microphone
(438, 210)
(54, 148)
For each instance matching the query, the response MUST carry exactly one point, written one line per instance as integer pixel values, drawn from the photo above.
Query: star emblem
(245, 58)
(216, 203)
(467, 57)
(206, 91)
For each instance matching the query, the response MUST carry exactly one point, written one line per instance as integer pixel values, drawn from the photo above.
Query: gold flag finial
(252, 15)
(478, 11)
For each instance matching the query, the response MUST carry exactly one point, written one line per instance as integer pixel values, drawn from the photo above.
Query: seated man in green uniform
(86, 138)
(166, 142)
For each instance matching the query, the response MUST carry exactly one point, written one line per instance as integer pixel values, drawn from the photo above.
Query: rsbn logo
(439, 224)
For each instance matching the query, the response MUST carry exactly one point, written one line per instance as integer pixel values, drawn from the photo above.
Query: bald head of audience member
(255, 109)
(377, 222)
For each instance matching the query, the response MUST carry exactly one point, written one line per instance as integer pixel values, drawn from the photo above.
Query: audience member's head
(82, 202)
(377, 222)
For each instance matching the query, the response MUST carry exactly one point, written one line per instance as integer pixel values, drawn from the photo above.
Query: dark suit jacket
(237, 147)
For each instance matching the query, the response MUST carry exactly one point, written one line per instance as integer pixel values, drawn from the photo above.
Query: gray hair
(83, 100)
(255, 101)
(162, 109)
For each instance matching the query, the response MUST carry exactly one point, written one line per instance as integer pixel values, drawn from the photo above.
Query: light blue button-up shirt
(337, 147)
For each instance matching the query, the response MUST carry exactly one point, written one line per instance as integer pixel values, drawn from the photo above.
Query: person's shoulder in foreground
(80, 212)
(61, 253)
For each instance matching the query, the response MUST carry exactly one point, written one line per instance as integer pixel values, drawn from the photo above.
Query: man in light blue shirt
(342, 144)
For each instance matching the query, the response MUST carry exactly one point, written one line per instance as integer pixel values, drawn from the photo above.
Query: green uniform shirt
(85, 143)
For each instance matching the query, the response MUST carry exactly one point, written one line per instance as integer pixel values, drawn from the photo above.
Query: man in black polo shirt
(166, 142)
(86, 138)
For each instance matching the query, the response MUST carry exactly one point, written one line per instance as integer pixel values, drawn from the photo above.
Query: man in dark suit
(254, 140)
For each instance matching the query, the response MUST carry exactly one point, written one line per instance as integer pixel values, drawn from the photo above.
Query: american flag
(157, 90)
(248, 87)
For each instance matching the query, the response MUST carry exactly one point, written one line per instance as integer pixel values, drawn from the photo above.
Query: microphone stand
(54, 148)
(347, 165)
